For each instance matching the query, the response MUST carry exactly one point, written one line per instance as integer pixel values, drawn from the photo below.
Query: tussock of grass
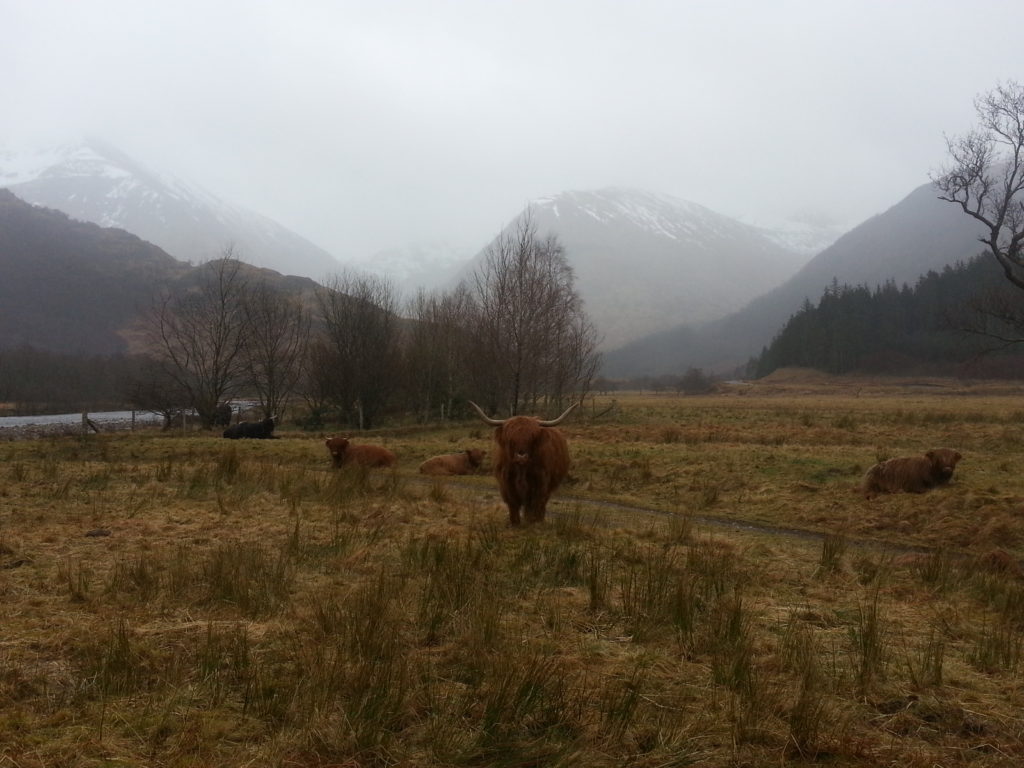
(833, 547)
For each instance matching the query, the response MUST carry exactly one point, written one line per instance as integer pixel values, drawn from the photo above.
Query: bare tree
(359, 314)
(316, 388)
(532, 336)
(985, 175)
(154, 390)
(435, 349)
(274, 345)
(574, 361)
(197, 334)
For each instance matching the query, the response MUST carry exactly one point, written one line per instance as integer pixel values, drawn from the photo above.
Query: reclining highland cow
(912, 474)
(461, 463)
(343, 452)
(256, 430)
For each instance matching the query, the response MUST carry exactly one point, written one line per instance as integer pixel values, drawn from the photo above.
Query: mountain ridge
(917, 234)
(645, 261)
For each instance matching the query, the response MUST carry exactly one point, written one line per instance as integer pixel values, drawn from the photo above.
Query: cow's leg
(513, 502)
(536, 506)
(513, 514)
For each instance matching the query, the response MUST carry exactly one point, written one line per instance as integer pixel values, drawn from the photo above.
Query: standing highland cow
(343, 452)
(913, 474)
(461, 463)
(531, 461)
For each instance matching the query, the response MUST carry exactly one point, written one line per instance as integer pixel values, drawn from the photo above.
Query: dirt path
(563, 505)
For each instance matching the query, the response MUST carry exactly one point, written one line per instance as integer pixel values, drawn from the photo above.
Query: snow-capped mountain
(646, 262)
(91, 181)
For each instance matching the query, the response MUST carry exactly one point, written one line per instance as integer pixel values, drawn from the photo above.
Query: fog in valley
(365, 126)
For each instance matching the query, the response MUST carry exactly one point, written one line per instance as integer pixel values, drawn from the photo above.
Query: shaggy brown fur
(343, 452)
(913, 474)
(462, 463)
(531, 461)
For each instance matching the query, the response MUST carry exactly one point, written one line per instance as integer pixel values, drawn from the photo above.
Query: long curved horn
(556, 422)
(486, 419)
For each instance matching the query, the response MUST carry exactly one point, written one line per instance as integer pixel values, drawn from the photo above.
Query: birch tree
(198, 334)
(533, 340)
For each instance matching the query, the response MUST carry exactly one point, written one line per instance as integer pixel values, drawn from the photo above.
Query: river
(14, 427)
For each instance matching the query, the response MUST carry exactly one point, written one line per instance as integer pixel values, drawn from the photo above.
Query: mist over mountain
(428, 266)
(668, 283)
(646, 262)
(807, 234)
(918, 234)
(643, 262)
(91, 181)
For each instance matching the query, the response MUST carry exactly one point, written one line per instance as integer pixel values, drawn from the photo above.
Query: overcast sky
(366, 125)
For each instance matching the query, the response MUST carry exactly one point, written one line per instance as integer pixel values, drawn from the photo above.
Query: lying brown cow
(343, 452)
(913, 474)
(531, 461)
(462, 463)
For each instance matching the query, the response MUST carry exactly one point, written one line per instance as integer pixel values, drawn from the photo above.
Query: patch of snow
(805, 237)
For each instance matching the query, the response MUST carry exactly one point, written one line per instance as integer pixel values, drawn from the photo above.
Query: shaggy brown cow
(531, 461)
(343, 452)
(913, 474)
(462, 463)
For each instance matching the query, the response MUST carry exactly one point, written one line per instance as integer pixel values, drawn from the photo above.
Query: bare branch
(359, 316)
(985, 176)
(534, 340)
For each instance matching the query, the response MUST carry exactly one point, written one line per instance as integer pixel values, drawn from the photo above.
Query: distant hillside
(69, 286)
(94, 182)
(645, 262)
(920, 329)
(78, 288)
(917, 234)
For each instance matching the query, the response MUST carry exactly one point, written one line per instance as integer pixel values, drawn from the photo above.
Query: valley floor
(709, 589)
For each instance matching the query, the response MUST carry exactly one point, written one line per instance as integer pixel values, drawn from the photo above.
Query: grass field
(709, 589)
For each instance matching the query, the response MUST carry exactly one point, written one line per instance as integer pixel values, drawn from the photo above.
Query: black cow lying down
(257, 430)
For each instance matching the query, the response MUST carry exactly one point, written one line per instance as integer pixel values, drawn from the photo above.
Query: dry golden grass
(708, 590)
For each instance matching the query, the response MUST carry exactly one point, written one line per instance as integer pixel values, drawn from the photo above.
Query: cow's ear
(930, 455)
(957, 456)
